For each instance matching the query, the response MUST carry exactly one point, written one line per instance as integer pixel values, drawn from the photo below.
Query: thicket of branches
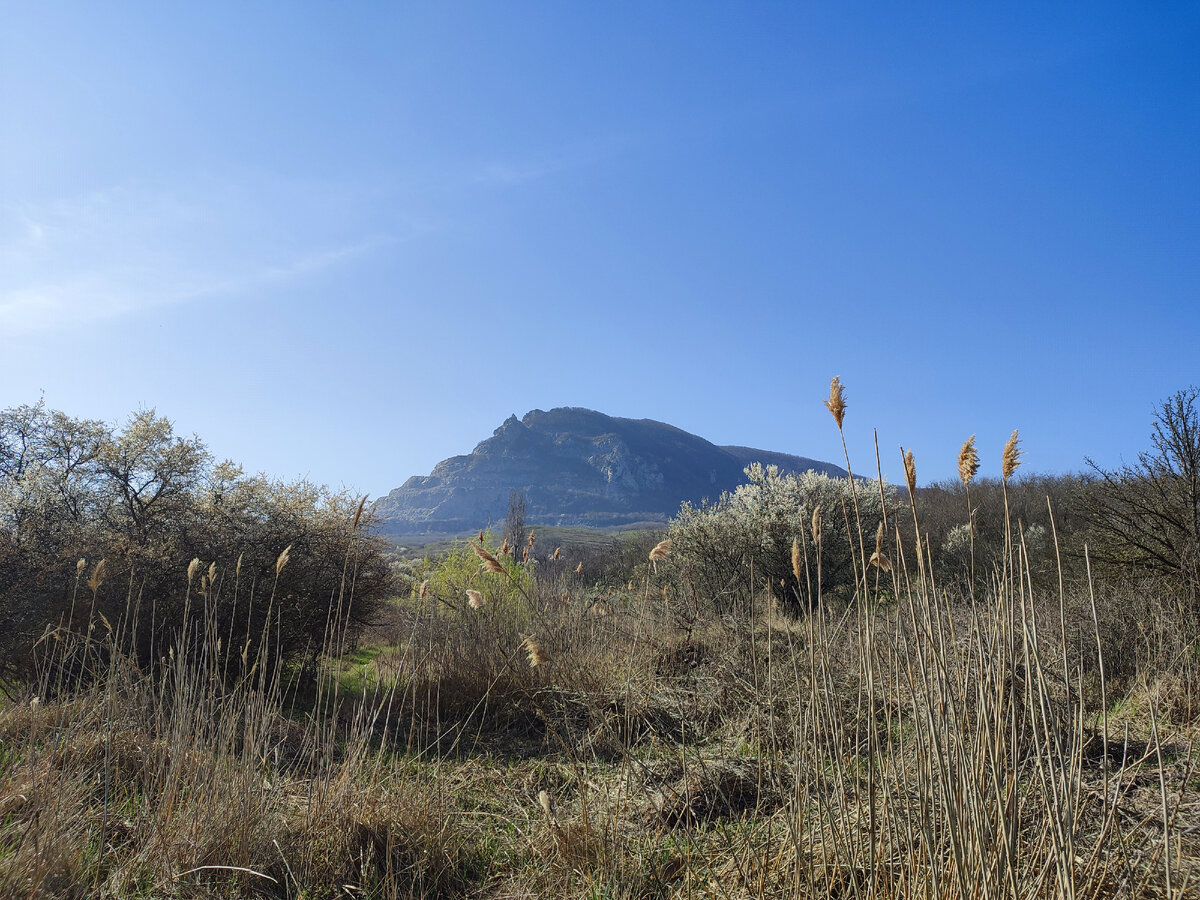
(1147, 515)
(99, 526)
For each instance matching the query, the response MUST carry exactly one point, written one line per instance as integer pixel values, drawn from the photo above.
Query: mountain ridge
(576, 467)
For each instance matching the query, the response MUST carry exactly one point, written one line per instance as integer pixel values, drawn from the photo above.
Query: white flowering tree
(729, 549)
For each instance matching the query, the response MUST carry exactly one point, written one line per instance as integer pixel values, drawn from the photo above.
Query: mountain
(575, 467)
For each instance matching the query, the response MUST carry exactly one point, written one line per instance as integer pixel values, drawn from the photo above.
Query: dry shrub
(132, 783)
(710, 789)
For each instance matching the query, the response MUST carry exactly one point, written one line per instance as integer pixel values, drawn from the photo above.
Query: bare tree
(514, 525)
(1147, 515)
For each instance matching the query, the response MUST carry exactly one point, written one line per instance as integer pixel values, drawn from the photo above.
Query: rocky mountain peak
(576, 467)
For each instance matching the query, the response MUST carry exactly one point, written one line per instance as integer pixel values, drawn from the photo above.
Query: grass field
(538, 727)
(908, 745)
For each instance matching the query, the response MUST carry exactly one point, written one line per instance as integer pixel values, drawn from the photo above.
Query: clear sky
(346, 240)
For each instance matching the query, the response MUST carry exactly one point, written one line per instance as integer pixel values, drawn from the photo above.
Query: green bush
(447, 578)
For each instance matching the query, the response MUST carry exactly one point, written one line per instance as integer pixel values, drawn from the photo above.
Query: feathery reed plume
(490, 563)
(660, 551)
(481, 535)
(475, 599)
(968, 468)
(797, 561)
(546, 804)
(531, 539)
(358, 513)
(557, 550)
(283, 559)
(1010, 459)
(910, 472)
(878, 558)
(212, 573)
(237, 570)
(525, 555)
(579, 569)
(192, 569)
(816, 524)
(504, 548)
(80, 566)
(968, 461)
(533, 650)
(97, 578)
(423, 590)
(836, 404)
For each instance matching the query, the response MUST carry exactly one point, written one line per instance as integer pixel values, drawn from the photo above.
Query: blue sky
(344, 241)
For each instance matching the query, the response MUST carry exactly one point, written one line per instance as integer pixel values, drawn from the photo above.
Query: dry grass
(912, 748)
(907, 744)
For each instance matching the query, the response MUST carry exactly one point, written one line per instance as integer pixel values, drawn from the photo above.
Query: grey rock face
(576, 467)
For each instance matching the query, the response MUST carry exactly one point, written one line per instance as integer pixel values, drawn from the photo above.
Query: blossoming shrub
(146, 502)
(727, 550)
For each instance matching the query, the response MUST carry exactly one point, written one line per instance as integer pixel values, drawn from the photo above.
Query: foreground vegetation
(518, 724)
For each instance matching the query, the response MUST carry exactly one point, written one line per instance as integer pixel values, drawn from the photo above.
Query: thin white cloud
(104, 295)
(136, 246)
(129, 248)
(501, 173)
(298, 267)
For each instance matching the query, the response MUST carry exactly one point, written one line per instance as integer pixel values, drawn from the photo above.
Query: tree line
(127, 524)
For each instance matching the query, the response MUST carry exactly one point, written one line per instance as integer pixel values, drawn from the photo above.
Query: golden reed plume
(836, 404)
(878, 558)
(546, 804)
(283, 559)
(98, 574)
(1010, 459)
(490, 563)
(533, 650)
(968, 461)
